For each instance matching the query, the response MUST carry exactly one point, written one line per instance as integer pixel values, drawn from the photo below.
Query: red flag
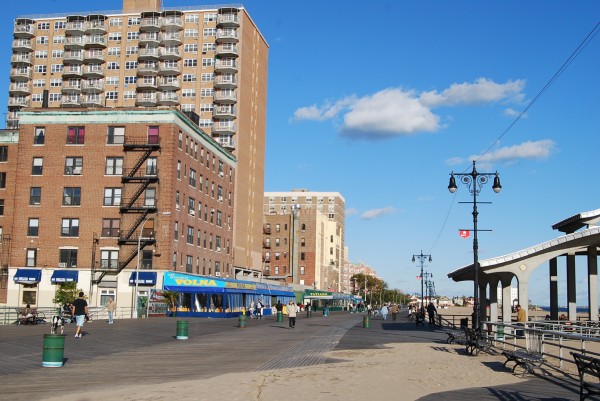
(464, 233)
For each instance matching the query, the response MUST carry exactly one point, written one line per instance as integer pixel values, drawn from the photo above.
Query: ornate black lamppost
(475, 181)
(422, 259)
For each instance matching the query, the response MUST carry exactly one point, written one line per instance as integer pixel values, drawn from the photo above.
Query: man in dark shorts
(80, 311)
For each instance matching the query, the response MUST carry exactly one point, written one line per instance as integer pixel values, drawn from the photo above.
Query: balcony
(168, 99)
(92, 87)
(148, 53)
(75, 28)
(266, 244)
(148, 39)
(266, 229)
(71, 101)
(225, 97)
(170, 39)
(146, 99)
(227, 50)
(92, 101)
(24, 31)
(228, 20)
(73, 56)
(150, 24)
(12, 121)
(169, 69)
(93, 71)
(171, 23)
(95, 41)
(94, 56)
(96, 27)
(72, 71)
(147, 69)
(227, 36)
(20, 88)
(22, 45)
(223, 127)
(170, 54)
(224, 112)
(168, 84)
(73, 86)
(74, 42)
(147, 84)
(21, 74)
(24, 58)
(18, 102)
(225, 82)
(226, 66)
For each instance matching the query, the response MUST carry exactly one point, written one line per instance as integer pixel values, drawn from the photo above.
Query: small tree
(171, 297)
(66, 293)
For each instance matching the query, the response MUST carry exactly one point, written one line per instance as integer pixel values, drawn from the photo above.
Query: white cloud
(481, 91)
(510, 112)
(374, 213)
(393, 111)
(351, 211)
(527, 150)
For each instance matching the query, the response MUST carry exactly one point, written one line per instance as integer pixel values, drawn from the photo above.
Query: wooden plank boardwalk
(146, 351)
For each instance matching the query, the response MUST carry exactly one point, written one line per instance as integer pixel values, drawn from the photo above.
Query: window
(191, 18)
(189, 261)
(177, 198)
(56, 68)
(133, 21)
(129, 95)
(58, 39)
(115, 22)
(208, 62)
(193, 48)
(111, 227)
(114, 166)
(71, 196)
(116, 135)
(179, 169)
(109, 259)
(40, 69)
(39, 136)
(55, 97)
(106, 294)
(190, 62)
(206, 32)
(112, 95)
(31, 258)
(42, 40)
(33, 227)
(114, 51)
(112, 196)
(43, 26)
(68, 257)
(190, 235)
(2, 180)
(206, 107)
(35, 195)
(41, 54)
(190, 33)
(207, 77)
(60, 25)
(131, 65)
(3, 153)
(189, 77)
(209, 47)
(38, 166)
(302, 256)
(55, 82)
(75, 135)
(151, 166)
(114, 36)
(219, 218)
(113, 65)
(176, 231)
(192, 177)
(130, 79)
(73, 165)
(70, 228)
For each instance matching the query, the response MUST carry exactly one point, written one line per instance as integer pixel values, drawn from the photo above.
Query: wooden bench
(530, 358)
(588, 368)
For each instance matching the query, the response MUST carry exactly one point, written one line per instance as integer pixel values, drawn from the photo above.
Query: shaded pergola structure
(581, 238)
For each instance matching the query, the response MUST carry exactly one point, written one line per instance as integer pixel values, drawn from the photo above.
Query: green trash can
(366, 322)
(499, 332)
(182, 329)
(54, 350)
(242, 322)
(279, 316)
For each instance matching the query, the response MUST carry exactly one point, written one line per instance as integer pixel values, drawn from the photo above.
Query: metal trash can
(366, 322)
(54, 350)
(182, 329)
(279, 316)
(242, 321)
(499, 332)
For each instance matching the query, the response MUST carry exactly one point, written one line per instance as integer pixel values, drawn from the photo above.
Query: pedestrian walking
(395, 311)
(111, 307)
(431, 311)
(80, 311)
(292, 311)
(384, 312)
(308, 309)
(259, 309)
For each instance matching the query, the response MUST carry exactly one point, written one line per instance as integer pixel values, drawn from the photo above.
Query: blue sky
(381, 100)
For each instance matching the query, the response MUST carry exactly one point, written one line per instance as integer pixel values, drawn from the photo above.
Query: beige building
(210, 62)
(304, 238)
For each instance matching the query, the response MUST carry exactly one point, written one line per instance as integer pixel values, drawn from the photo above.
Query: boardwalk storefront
(201, 296)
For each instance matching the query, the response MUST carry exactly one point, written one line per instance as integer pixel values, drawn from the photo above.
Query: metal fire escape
(136, 208)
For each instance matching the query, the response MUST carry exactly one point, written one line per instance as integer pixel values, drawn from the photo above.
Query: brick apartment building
(84, 190)
(303, 238)
(210, 60)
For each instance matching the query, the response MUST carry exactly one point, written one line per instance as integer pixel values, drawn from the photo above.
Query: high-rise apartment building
(208, 60)
(303, 238)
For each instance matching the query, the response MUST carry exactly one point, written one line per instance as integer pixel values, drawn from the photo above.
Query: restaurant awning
(64, 276)
(144, 278)
(28, 276)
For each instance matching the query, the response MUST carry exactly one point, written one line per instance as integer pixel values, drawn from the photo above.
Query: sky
(381, 100)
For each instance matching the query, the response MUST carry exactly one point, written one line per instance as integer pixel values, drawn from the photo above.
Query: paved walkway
(146, 351)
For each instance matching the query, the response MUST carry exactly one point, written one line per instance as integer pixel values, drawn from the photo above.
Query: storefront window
(201, 302)
(216, 303)
(29, 294)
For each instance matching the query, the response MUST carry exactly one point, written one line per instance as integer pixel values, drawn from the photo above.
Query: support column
(571, 288)
(482, 299)
(494, 299)
(524, 295)
(592, 261)
(553, 289)
(506, 300)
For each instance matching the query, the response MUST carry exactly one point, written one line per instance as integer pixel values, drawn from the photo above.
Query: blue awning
(28, 276)
(144, 278)
(64, 276)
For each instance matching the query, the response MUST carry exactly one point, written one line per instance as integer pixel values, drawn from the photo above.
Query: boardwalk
(146, 351)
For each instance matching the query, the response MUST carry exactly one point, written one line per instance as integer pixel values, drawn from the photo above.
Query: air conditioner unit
(218, 249)
(220, 199)
(221, 174)
(192, 212)
(62, 265)
(218, 274)
(77, 170)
